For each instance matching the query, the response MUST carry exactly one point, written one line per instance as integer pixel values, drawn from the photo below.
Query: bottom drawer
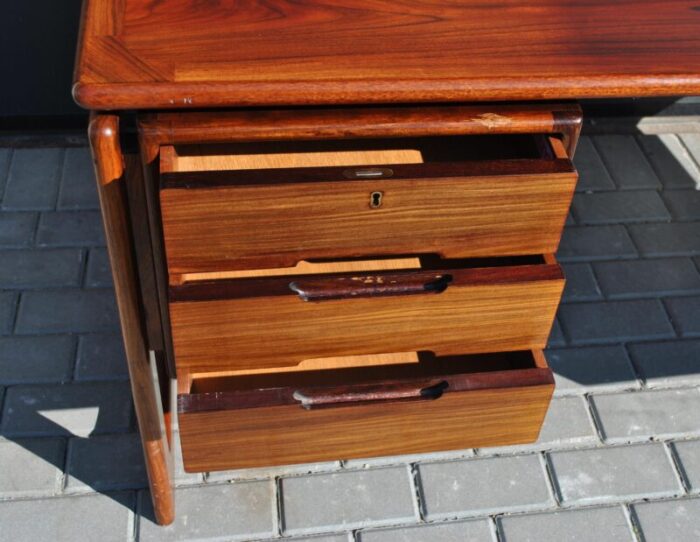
(230, 422)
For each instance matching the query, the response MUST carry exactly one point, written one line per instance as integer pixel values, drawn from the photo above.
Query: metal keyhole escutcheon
(375, 199)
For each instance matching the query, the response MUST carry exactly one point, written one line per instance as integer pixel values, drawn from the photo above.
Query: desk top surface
(139, 54)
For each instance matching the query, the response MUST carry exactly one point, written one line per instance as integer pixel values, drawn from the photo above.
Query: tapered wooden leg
(109, 165)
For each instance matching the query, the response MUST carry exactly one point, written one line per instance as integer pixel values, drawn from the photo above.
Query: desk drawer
(446, 308)
(267, 205)
(439, 404)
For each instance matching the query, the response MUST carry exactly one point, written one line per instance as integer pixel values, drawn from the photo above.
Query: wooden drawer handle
(370, 393)
(370, 286)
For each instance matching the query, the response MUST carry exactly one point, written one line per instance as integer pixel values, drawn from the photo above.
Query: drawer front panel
(219, 223)
(500, 408)
(257, 323)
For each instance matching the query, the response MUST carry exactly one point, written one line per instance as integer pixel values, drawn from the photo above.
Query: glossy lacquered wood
(263, 322)
(185, 53)
(244, 422)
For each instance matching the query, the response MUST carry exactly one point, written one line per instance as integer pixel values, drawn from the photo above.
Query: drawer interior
(354, 152)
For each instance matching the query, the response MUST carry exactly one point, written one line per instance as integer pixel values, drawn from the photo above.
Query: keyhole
(375, 199)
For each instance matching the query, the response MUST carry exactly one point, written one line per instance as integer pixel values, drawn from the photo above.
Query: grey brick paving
(581, 284)
(36, 359)
(33, 179)
(5, 159)
(625, 161)
(603, 475)
(683, 204)
(556, 335)
(271, 472)
(626, 417)
(105, 462)
(670, 520)
(101, 357)
(644, 278)
(408, 458)
(615, 321)
(67, 409)
(671, 160)
(588, 525)
(619, 207)
(346, 500)
(40, 268)
(105, 518)
(676, 239)
(31, 467)
(99, 274)
(70, 229)
(684, 313)
(592, 172)
(78, 188)
(667, 363)
(579, 370)
(240, 511)
(57, 311)
(8, 308)
(688, 453)
(587, 243)
(17, 229)
(483, 486)
(463, 531)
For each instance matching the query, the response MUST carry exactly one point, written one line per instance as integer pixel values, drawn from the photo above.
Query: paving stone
(688, 454)
(615, 321)
(40, 268)
(667, 363)
(676, 239)
(241, 511)
(595, 368)
(684, 312)
(36, 359)
(33, 179)
(583, 243)
(99, 273)
(105, 462)
(463, 531)
(613, 474)
(626, 162)
(71, 311)
(67, 409)
(105, 518)
(567, 423)
(101, 357)
(271, 472)
(347, 500)
(78, 187)
(670, 160)
(406, 459)
(587, 525)
(580, 283)
(556, 335)
(626, 417)
(591, 170)
(345, 537)
(692, 143)
(8, 306)
(483, 486)
(31, 467)
(642, 278)
(70, 229)
(17, 229)
(683, 204)
(5, 159)
(617, 207)
(669, 520)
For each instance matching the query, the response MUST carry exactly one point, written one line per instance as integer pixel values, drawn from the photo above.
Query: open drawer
(442, 307)
(243, 421)
(273, 204)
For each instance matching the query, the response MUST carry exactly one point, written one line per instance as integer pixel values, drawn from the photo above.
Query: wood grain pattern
(495, 408)
(149, 409)
(264, 324)
(138, 54)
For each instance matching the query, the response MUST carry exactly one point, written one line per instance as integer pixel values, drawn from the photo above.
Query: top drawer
(273, 204)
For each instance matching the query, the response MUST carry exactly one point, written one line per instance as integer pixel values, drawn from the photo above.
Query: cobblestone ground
(618, 458)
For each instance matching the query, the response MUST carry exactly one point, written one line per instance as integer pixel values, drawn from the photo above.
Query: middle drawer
(444, 308)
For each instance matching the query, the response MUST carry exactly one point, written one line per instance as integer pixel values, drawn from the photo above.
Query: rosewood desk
(332, 225)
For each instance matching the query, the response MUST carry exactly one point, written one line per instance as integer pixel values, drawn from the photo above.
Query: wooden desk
(375, 262)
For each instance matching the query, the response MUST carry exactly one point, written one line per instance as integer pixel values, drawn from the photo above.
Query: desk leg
(109, 165)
